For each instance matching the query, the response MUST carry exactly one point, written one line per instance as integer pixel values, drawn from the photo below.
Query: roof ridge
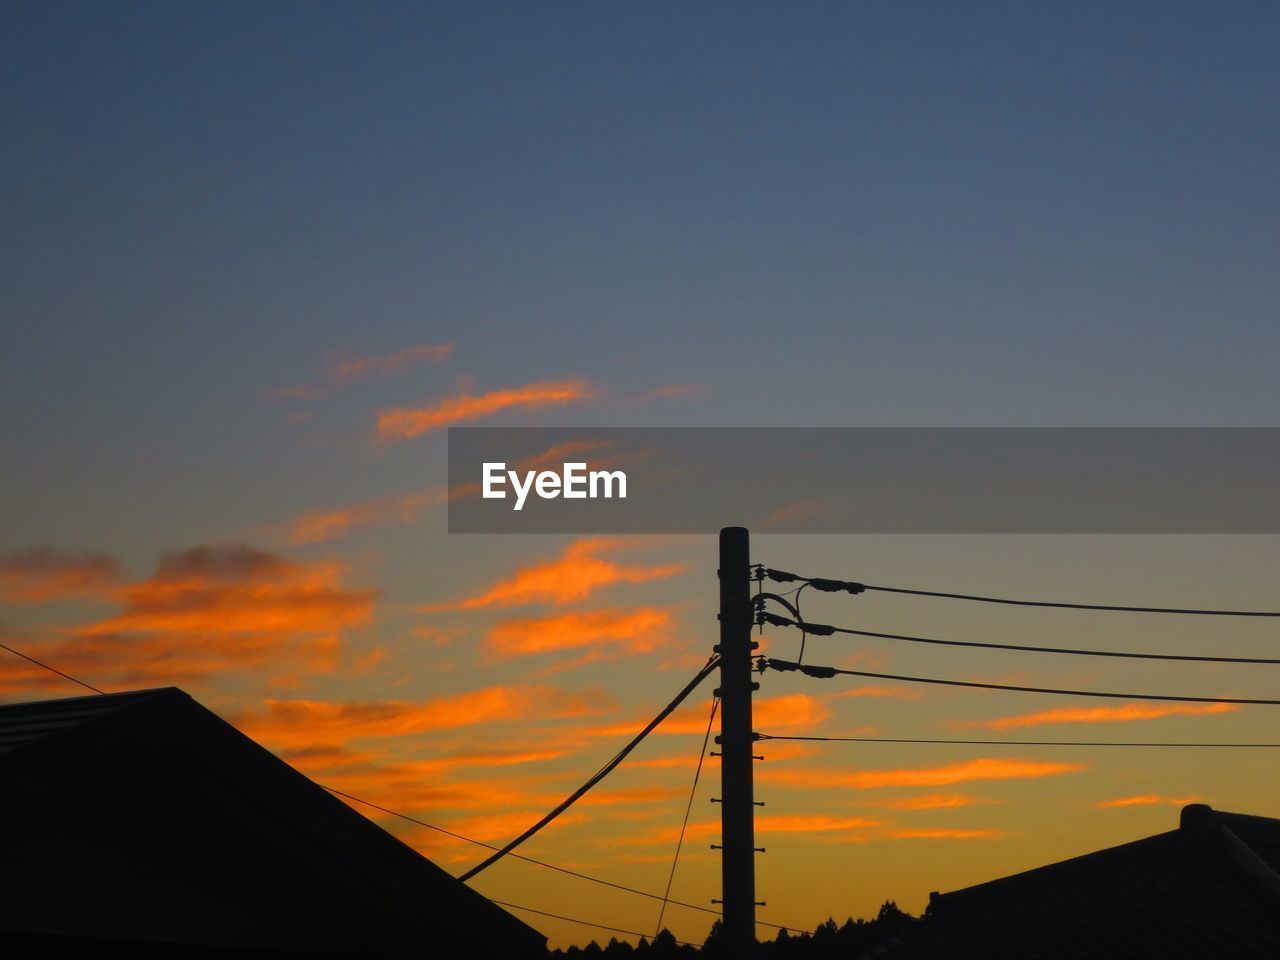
(89, 697)
(1256, 871)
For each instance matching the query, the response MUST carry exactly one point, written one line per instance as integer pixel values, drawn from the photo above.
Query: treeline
(828, 940)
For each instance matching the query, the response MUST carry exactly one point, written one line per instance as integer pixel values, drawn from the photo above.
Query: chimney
(1196, 820)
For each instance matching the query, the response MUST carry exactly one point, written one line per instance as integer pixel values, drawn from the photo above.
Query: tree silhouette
(828, 940)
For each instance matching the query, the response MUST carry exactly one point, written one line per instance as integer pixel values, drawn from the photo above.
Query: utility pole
(737, 800)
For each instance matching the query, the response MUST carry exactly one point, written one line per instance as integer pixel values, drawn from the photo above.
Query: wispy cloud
(1123, 713)
(402, 423)
(802, 512)
(40, 575)
(876, 692)
(579, 571)
(293, 724)
(325, 525)
(214, 609)
(944, 833)
(764, 825)
(389, 364)
(965, 771)
(631, 631)
(370, 763)
(490, 828)
(1145, 800)
(403, 509)
(791, 711)
(341, 372)
(931, 801)
(674, 391)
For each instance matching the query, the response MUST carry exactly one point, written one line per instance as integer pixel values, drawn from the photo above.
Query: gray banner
(864, 480)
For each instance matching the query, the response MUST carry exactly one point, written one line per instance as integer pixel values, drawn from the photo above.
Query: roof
(1211, 888)
(145, 818)
(23, 723)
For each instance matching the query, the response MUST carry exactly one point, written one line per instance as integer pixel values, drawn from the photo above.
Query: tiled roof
(1206, 890)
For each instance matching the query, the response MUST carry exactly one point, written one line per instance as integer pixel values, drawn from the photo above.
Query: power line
(684, 825)
(1017, 743)
(855, 587)
(517, 856)
(520, 856)
(585, 923)
(438, 829)
(541, 863)
(65, 676)
(826, 673)
(599, 774)
(826, 629)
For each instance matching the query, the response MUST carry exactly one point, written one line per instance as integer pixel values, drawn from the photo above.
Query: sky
(244, 245)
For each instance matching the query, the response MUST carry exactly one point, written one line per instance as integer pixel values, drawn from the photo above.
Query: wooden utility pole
(737, 807)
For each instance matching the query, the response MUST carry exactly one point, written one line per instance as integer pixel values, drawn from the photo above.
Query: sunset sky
(259, 257)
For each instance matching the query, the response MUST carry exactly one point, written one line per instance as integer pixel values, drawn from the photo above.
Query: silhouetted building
(1208, 890)
(141, 824)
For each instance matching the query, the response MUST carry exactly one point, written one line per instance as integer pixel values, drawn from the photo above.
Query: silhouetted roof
(143, 820)
(22, 723)
(1209, 889)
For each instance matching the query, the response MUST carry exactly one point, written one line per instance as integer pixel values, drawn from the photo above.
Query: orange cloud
(963, 772)
(570, 578)
(784, 823)
(801, 512)
(1145, 800)
(324, 525)
(635, 631)
(792, 710)
(872, 691)
(213, 609)
(421, 787)
(391, 363)
(674, 391)
(1121, 714)
(632, 795)
(38, 576)
(294, 724)
(677, 762)
(931, 801)
(405, 422)
(344, 372)
(371, 766)
(236, 590)
(947, 834)
(788, 711)
(558, 453)
(492, 828)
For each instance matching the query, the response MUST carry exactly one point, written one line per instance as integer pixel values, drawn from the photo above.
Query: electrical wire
(65, 676)
(826, 673)
(855, 587)
(1015, 743)
(438, 829)
(599, 774)
(684, 825)
(585, 923)
(800, 622)
(542, 863)
(826, 629)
